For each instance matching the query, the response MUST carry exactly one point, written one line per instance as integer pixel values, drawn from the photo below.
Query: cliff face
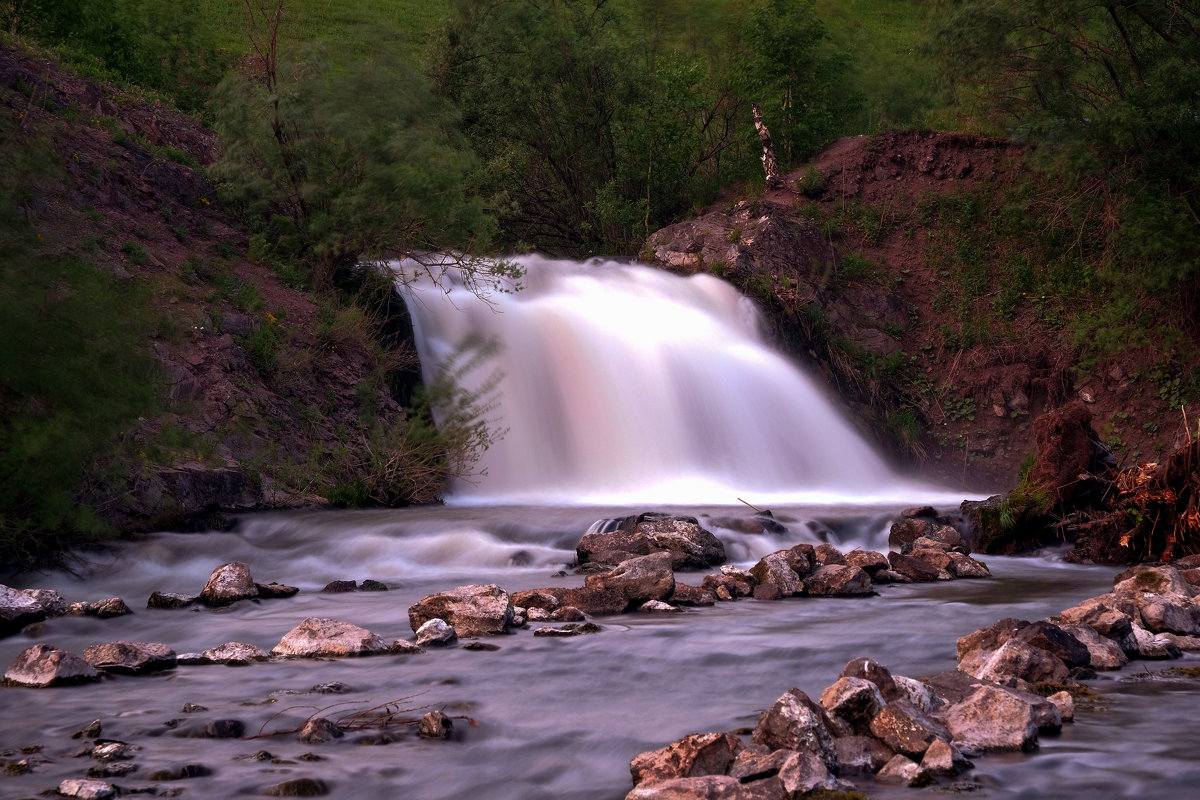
(267, 391)
(889, 267)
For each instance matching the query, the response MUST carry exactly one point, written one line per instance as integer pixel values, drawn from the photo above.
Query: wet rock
(339, 587)
(298, 787)
(869, 561)
(116, 769)
(889, 576)
(1154, 646)
(976, 647)
(275, 591)
(1056, 641)
(803, 773)
(993, 719)
(1065, 705)
(906, 729)
(567, 614)
(85, 789)
(18, 609)
(908, 530)
(861, 755)
(704, 787)
(114, 751)
(768, 591)
(436, 632)
(690, 545)
(1162, 580)
(369, 585)
(902, 771)
(107, 608)
(871, 670)
(853, 701)
(727, 587)
(943, 758)
(775, 570)
(935, 557)
(963, 566)
(90, 731)
(638, 579)
(570, 629)
(1169, 614)
(473, 610)
(826, 554)
(838, 580)
(435, 725)
(686, 595)
(795, 722)
(698, 754)
(171, 600)
(536, 598)
(193, 708)
(179, 773)
(1016, 659)
(915, 569)
(919, 694)
(318, 730)
(130, 658)
(1103, 653)
(235, 654)
(44, 665)
(659, 607)
(318, 637)
(227, 584)
(1108, 615)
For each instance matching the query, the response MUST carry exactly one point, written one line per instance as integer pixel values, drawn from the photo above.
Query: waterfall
(622, 384)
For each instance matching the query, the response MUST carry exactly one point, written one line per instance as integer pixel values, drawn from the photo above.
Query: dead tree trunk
(770, 165)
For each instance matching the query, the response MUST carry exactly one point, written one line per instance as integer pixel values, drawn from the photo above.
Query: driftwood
(1152, 514)
(770, 165)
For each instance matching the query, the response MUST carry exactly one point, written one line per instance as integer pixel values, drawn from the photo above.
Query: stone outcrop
(638, 579)
(689, 545)
(317, 637)
(473, 610)
(130, 658)
(44, 665)
(228, 584)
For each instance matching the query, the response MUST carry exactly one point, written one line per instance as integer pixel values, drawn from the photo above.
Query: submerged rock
(235, 654)
(130, 658)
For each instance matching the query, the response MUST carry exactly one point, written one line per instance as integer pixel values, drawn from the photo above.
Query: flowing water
(623, 390)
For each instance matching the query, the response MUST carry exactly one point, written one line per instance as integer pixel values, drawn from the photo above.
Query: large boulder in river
(17, 609)
(228, 584)
(698, 754)
(317, 637)
(690, 545)
(45, 665)
(638, 579)
(795, 722)
(473, 610)
(130, 658)
(838, 580)
(775, 569)
(994, 719)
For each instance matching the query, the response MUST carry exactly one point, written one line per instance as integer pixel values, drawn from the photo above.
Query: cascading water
(625, 384)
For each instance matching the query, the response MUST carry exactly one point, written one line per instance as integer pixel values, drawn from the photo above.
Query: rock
(915, 569)
(436, 632)
(596, 602)
(705, 787)
(179, 773)
(227, 584)
(802, 558)
(768, 591)
(1064, 452)
(690, 546)
(235, 654)
(919, 694)
(570, 629)
(171, 600)
(1065, 705)
(638, 579)
(275, 591)
(1103, 653)
(318, 730)
(803, 773)
(339, 587)
(950, 538)
(130, 658)
(976, 647)
(943, 758)
(567, 614)
(871, 670)
(1109, 615)
(686, 595)
(1161, 580)
(901, 770)
(217, 729)
(298, 787)
(403, 647)
(993, 719)
(908, 530)
(370, 585)
(18, 609)
(87, 789)
(869, 561)
(795, 722)
(658, 607)
(474, 610)
(44, 665)
(536, 598)
(317, 637)
(775, 570)
(695, 755)
(90, 731)
(1169, 614)
(906, 729)
(114, 751)
(935, 557)
(107, 608)
(861, 755)
(1154, 646)
(1016, 659)
(890, 576)
(838, 580)
(963, 566)
(435, 725)
(826, 554)
(1056, 641)
(854, 701)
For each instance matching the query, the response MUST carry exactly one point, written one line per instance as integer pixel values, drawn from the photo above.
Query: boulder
(825, 554)
(570, 629)
(638, 579)
(44, 665)
(17, 609)
(340, 587)
(235, 654)
(107, 608)
(690, 546)
(658, 607)
(1169, 613)
(916, 692)
(611, 547)
(993, 719)
(130, 658)
(590, 600)
(171, 600)
(775, 570)
(902, 771)
(474, 610)
(908, 530)
(1161, 580)
(838, 580)
(795, 722)
(906, 729)
(804, 773)
(854, 702)
(436, 632)
(861, 755)
(1017, 659)
(1056, 641)
(915, 569)
(276, 591)
(698, 754)
(1103, 653)
(935, 557)
(1065, 705)
(963, 566)
(298, 787)
(318, 637)
(685, 595)
(227, 584)
(1154, 646)
(943, 758)
(871, 670)
(802, 558)
(976, 647)
(869, 561)
(705, 787)
(536, 598)
(87, 789)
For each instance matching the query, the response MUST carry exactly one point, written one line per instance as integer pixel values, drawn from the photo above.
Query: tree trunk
(770, 166)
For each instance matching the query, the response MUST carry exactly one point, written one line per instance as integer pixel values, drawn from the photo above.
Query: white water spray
(625, 384)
